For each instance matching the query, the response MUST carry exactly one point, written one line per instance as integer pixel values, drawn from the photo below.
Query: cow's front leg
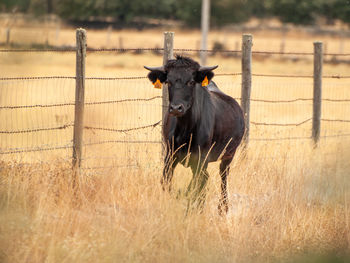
(196, 190)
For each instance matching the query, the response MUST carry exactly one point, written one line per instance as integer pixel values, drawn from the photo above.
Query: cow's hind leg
(224, 171)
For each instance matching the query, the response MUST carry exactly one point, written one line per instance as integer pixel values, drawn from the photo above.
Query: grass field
(289, 202)
(291, 206)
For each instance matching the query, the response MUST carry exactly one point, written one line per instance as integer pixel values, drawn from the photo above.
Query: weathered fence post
(121, 46)
(46, 30)
(79, 99)
(317, 97)
(247, 43)
(109, 34)
(205, 19)
(283, 41)
(282, 45)
(58, 29)
(8, 33)
(168, 54)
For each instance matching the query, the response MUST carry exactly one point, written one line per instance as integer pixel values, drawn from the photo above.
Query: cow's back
(229, 124)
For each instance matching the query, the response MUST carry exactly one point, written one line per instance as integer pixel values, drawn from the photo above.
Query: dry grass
(287, 200)
(294, 204)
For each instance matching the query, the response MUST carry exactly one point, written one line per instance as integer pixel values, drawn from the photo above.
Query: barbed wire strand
(119, 141)
(296, 124)
(38, 106)
(27, 50)
(115, 78)
(157, 97)
(38, 149)
(280, 139)
(335, 135)
(123, 100)
(300, 138)
(72, 103)
(70, 77)
(281, 101)
(280, 124)
(298, 76)
(145, 77)
(337, 100)
(258, 52)
(37, 129)
(123, 49)
(36, 78)
(228, 74)
(156, 124)
(335, 120)
(73, 49)
(124, 130)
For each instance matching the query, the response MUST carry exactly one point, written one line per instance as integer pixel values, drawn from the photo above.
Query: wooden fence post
(58, 29)
(121, 46)
(205, 19)
(283, 41)
(317, 96)
(109, 34)
(168, 54)
(8, 33)
(79, 99)
(247, 43)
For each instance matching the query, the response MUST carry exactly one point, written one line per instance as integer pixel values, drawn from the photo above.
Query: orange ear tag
(157, 84)
(205, 82)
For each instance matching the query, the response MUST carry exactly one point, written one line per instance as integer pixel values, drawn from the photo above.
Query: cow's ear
(155, 74)
(204, 72)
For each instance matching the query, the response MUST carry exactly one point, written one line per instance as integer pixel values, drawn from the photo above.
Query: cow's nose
(177, 109)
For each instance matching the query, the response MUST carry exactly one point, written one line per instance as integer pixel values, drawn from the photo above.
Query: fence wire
(137, 50)
(144, 77)
(122, 113)
(123, 130)
(155, 97)
(41, 148)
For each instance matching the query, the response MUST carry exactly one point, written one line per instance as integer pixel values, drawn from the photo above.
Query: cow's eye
(191, 83)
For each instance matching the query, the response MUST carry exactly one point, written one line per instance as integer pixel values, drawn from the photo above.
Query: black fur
(211, 126)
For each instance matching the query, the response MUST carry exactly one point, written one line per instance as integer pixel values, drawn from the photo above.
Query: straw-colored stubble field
(288, 200)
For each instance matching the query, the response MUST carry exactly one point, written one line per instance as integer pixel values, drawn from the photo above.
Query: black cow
(202, 125)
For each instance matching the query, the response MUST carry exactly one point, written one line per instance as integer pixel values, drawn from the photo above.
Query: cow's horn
(207, 68)
(154, 68)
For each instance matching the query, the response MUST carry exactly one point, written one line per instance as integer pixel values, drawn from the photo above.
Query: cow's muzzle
(176, 110)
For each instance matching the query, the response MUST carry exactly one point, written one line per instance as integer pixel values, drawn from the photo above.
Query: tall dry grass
(287, 201)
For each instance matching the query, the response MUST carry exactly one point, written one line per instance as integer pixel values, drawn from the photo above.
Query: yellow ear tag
(157, 84)
(205, 82)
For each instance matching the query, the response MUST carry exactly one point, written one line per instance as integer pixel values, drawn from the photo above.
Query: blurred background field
(289, 201)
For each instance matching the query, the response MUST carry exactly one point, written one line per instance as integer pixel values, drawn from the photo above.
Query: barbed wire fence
(139, 131)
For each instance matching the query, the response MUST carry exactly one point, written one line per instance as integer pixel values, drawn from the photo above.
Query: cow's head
(181, 75)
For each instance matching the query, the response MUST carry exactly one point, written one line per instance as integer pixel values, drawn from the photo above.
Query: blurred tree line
(222, 11)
